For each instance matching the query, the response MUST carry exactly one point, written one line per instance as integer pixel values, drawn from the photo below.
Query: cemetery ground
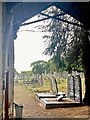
(34, 109)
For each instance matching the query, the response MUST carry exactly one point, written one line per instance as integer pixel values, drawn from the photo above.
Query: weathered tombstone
(71, 86)
(40, 80)
(74, 88)
(53, 84)
(50, 79)
(56, 75)
(43, 79)
(78, 89)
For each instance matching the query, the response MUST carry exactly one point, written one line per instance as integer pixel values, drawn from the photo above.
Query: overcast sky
(29, 47)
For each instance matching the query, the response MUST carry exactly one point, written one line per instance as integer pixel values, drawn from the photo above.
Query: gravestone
(43, 79)
(40, 80)
(57, 75)
(50, 79)
(78, 89)
(74, 88)
(53, 84)
(71, 92)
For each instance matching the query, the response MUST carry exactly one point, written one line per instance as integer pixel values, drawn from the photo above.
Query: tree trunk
(86, 99)
(86, 65)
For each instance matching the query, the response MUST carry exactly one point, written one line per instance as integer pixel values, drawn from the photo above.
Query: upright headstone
(40, 80)
(50, 79)
(43, 79)
(74, 88)
(56, 76)
(78, 89)
(53, 84)
(71, 86)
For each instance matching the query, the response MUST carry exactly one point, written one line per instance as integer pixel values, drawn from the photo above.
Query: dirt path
(34, 109)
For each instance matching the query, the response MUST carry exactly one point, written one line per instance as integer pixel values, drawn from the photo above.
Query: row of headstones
(74, 90)
(22, 76)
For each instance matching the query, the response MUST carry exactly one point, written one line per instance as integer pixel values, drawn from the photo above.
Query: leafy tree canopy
(39, 67)
(63, 43)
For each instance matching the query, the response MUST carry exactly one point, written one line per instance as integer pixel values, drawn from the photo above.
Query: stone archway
(13, 16)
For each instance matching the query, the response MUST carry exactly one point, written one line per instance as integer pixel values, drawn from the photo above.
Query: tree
(51, 65)
(79, 57)
(86, 63)
(70, 45)
(62, 41)
(74, 54)
(39, 67)
(55, 43)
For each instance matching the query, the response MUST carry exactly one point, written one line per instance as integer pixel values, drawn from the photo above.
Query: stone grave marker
(53, 84)
(40, 80)
(74, 88)
(43, 79)
(78, 89)
(71, 92)
(49, 78)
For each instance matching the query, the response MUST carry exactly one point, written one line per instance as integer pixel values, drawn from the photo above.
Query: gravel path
(34, 109)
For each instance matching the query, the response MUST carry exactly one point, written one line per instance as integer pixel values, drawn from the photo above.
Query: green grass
(35, 87)
(62, 86)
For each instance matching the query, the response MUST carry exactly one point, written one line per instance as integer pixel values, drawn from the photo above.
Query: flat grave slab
(54, 103)
(49, 95)
(59, 99)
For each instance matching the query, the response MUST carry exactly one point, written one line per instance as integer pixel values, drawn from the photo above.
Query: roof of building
(22, 11)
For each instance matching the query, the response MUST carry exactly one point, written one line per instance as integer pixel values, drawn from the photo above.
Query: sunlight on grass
(46, 87)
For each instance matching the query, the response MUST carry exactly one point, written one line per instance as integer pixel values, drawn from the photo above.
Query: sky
(28, 47)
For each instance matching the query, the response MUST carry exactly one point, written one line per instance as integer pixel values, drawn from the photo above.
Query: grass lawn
(46, 87)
